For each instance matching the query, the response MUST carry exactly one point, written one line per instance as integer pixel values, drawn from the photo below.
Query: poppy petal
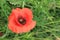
(22, 29)
(28, 12)
(29, 27)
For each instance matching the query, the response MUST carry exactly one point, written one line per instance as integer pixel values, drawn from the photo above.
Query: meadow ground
(46, 13)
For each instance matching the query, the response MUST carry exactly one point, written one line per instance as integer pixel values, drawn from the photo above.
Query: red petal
(18, 12)
(28, 12)
(10, 16)
(14, 13)
(29, 27)
(22, 29)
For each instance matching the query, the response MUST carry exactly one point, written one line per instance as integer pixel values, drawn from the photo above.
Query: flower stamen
(22, 21)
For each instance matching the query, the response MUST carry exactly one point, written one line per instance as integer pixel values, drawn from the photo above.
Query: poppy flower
(20, 20)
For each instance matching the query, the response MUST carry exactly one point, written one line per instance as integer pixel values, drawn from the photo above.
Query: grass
(46, 13)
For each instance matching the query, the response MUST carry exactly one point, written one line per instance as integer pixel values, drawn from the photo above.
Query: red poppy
(20, 20)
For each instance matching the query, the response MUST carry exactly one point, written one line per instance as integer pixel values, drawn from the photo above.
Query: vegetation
(46, 13)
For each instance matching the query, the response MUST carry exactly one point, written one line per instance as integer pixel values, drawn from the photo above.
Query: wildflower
(20, 20)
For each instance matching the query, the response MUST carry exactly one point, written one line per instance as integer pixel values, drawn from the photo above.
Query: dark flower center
(22, 21)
